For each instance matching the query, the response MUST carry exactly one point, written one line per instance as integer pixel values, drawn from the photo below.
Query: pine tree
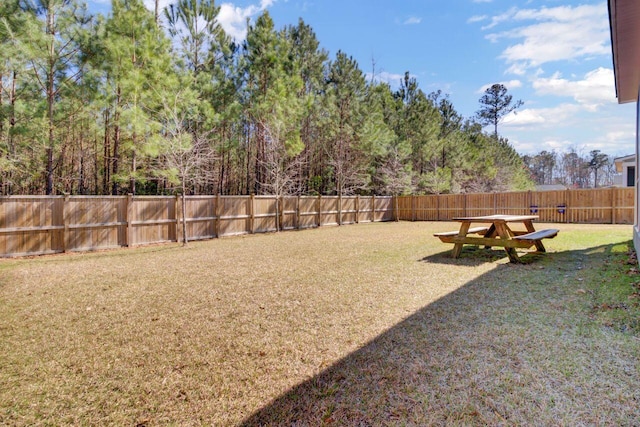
(53, 49)
(494, 105)
(139, 70)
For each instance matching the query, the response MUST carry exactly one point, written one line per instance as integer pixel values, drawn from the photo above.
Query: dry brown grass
(360, 325)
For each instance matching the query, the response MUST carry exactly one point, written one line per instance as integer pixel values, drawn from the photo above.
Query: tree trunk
(132, 180)
(50, 99)
(106, 177)
(184, 214)
(116, 144)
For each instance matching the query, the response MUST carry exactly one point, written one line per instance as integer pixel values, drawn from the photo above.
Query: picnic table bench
(498, 234)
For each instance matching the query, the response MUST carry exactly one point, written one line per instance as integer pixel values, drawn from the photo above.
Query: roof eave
(624, 17)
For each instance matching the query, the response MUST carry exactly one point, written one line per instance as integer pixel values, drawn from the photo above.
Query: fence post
(280, 219)
(340, 209)
(394, 200)
(319, 209)
(213, 215)
(357, 209)
(252, 213)
(217, 213)
(129, 219)
(298, 212)
(373, 208)
(65, 222)
(437, 206)
(177, 212)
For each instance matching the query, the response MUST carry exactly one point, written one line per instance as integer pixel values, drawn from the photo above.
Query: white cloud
(546, 144)
(516, 69)
(511, 84)
(527, 117)
(594, 90)
(149, 4)
(233, 19)
(476, 18)
(559, 33)
(392, 79)
(412, 20)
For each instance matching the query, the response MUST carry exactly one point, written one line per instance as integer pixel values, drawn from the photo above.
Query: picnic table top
(496, 218)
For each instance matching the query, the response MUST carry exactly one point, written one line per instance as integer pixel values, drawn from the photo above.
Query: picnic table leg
(457, 248)
(491, 233)
(539, 246)
(503, 232)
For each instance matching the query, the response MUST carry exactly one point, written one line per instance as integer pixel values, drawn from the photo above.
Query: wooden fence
(36, 225)
(596, 206)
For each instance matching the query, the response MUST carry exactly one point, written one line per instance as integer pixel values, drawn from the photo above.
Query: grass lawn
(370, 324)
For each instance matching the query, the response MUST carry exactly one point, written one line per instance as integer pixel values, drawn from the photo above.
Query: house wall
(620, 179)
(636, 230)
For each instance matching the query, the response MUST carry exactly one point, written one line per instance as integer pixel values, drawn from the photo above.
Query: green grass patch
(615, 290)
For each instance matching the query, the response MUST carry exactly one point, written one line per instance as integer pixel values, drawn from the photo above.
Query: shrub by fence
(596, 206)
(36, 225)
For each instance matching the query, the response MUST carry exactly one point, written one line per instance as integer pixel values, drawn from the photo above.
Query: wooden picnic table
(497, 233)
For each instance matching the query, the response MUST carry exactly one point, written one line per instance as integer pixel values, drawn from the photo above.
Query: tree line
(164, 101)
(572, 168)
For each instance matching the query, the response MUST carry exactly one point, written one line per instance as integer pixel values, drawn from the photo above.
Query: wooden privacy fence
(36, 225)
(596, 206)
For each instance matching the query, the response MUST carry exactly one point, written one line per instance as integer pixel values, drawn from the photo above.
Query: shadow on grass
(489, 353)
(476, 255)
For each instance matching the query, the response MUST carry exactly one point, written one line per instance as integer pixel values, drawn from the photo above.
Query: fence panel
(512, 203)
(329, 210)
(623, 206)
(602, 205)
(95, 222)
(264, 212)
(451, 206)
(309, 212)
(289, 213)
(348, 210)
(155, 220)
(31, 225)
(404, 207)
(550, 206)
(365, 209)
(479, 204)
(589, 206)
(383, 208)
(234, 215)
(200, 214)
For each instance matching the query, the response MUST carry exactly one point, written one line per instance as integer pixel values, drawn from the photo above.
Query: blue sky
(554, 55)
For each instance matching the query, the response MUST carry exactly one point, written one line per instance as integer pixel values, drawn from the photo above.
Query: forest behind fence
(36, 225)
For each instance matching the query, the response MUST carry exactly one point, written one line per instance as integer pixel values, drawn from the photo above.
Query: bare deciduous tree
(184, 158)
(280, 166)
